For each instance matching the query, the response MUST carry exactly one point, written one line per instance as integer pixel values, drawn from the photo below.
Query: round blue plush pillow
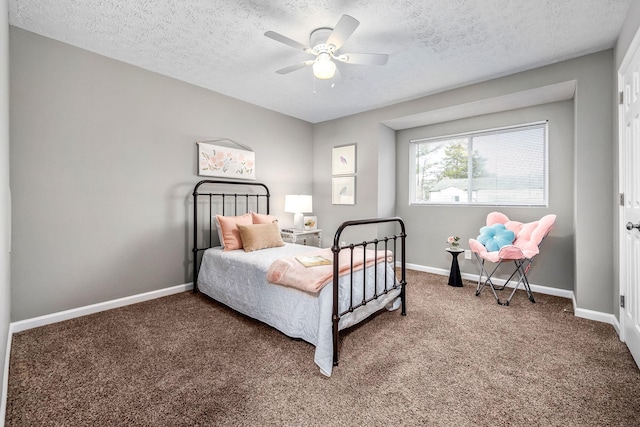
(495, 236)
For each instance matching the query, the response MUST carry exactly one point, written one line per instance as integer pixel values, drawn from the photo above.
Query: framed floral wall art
(220, 161)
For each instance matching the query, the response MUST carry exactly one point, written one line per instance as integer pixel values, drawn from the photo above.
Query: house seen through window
(501, 167)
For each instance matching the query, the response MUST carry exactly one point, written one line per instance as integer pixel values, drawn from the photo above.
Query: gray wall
(103, 162)
(555, 262)
(5, 202)
(375, 177)
(592, 180)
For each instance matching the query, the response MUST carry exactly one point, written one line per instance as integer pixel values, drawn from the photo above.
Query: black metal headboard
(221, 194)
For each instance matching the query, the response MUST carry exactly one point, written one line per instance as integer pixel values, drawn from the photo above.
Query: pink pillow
(229, 228)
(262, 218)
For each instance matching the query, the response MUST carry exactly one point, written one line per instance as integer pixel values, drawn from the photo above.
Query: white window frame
(470, 135)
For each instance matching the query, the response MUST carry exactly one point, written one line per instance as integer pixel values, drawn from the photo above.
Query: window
(506, 166)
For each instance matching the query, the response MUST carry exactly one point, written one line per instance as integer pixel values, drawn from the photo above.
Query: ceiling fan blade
(289, 42)
(343, 30)
(364, 58)
(294, 67)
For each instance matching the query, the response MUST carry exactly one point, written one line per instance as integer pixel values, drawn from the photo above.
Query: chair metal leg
(484, 282)
(484, 279)
(483, 272)
(522, 271)
(525, 279)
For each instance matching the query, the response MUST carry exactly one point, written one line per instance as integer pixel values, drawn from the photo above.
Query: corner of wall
(5, 208)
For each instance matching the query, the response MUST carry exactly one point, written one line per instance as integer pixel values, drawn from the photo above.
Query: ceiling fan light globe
(324, 69)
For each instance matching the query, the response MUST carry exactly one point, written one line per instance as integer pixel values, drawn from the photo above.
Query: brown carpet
(454, 360)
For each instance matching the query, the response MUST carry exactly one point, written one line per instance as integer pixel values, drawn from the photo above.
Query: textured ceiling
(434, 45)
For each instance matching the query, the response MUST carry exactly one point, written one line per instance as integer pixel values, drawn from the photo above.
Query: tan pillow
(260, 236)
(229, 228)
(262, 218)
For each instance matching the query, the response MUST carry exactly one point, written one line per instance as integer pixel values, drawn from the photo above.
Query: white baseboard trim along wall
(563, 293)
(48, 319)
(35, 322)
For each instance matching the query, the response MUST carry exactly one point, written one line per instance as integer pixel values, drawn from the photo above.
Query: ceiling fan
(325, 44)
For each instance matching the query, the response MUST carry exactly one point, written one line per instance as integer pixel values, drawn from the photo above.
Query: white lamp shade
(298, 203)
(324, 68)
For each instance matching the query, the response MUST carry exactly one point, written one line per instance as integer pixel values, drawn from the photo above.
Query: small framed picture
(343, 190)
(343, 160)
(310, 223)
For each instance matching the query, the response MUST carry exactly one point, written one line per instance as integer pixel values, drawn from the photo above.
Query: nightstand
(454, 275)
(302, 237)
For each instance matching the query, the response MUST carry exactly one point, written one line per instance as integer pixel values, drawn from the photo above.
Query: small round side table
(454, 276)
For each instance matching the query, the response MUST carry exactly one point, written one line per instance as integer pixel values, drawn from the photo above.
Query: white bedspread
(238, 280)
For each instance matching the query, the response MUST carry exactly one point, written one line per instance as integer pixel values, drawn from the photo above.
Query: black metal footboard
(389, 243)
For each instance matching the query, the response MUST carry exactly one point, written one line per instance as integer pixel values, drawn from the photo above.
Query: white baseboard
(563, 293)
(35, 322)
(597, 316)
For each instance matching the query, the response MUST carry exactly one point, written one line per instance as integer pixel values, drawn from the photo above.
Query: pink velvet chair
(528, 237)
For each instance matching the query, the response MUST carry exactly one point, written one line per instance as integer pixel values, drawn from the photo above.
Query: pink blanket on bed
(290, 272)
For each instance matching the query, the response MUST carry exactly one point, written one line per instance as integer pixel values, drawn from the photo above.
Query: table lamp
(298, 204)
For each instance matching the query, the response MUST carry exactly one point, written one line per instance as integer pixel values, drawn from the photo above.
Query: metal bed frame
(385, 242)
(395, 243)
(222, 197)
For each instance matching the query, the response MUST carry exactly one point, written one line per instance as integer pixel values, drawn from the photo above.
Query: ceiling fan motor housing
(318, 40)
